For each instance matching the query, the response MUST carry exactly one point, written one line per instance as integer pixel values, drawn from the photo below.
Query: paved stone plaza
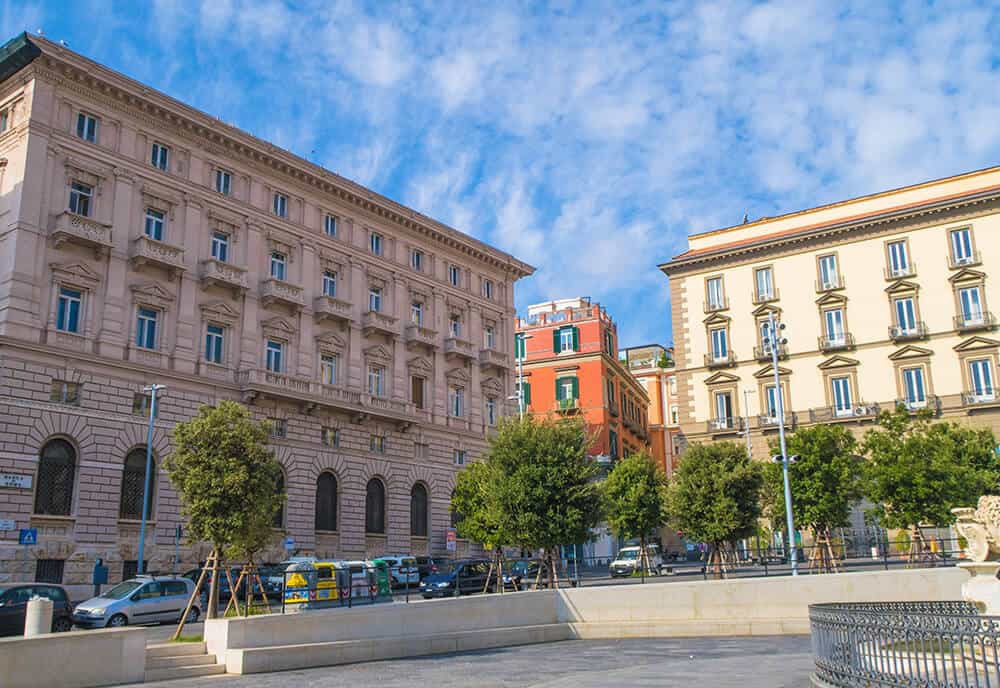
(761, 662)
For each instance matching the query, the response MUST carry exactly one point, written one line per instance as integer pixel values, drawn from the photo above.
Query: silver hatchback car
(139, 600)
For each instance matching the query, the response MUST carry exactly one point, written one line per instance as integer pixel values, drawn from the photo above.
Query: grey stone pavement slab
(758, 662)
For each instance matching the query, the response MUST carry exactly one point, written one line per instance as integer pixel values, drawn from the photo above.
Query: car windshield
(122, 590)
(628, 554)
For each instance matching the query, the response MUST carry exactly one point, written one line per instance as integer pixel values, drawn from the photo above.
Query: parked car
(143, 599)
(425, 566)
(403, 569)
(14, 604)
(224, 592)
(627, 561)
(464, 578)
(519, 575)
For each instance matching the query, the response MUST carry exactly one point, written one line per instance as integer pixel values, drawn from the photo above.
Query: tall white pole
(152, 389)
(775, 343)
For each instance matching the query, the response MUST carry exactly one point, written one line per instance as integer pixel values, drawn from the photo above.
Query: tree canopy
(635, 497)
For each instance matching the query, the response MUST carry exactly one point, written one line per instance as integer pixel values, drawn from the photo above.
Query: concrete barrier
(78, 659)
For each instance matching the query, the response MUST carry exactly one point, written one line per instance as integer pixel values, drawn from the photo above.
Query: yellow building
(885, 299)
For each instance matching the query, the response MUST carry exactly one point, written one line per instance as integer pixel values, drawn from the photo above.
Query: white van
(627, 561)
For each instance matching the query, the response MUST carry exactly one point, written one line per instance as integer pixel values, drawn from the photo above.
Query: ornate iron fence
(925, 644)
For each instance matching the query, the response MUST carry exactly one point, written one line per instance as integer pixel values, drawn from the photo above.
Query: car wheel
(117, 621)
(193, 615)
(61, 625)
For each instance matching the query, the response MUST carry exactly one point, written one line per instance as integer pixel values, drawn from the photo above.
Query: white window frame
(456, 401)
(159, 156)
(329, 285)
(87, 127)
(279, 205)
(417, 313)
(146, 318)
(274, 356)
(330, 225)
(220, 247)
(223, 181)
(970, 300)
(376, 380)
(375, 299)
(840, 393)
(829, 274)
(454, 275)
(720, 343)
(765, 287)
(155, 224)
(489, 337)
(566, 340)
(215, 343)
(962, 252)
(914, 387)
(723, 400)
(459, 457)
(981, 385)
(80, 193)
(376, 243)
(716, 293)
(455, 326)
(905, 309)
(899, 259)
(67, 302)
(328, 364)
(279, 265)
(487, 289)
(417, 260)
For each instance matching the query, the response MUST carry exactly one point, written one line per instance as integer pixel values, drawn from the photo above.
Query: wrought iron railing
(928, 644)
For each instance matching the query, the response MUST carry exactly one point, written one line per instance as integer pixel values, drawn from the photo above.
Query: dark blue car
(463, 577)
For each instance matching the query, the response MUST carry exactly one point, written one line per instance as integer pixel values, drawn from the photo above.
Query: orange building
(567, 353)
(653, 367)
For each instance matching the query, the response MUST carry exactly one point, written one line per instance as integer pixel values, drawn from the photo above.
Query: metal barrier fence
(927, 644)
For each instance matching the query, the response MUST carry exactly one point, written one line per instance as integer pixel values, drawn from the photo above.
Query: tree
(825, 481)
(227, 481)
(713, 497)
(478, 497)
(635, 500)
(918, 471)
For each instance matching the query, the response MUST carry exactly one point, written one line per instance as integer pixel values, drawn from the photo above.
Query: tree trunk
(213, 589)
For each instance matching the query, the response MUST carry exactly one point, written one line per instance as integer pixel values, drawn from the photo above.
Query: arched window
(279, 515)
(133, 477)
(418, 511)
(375, 507)
(326, 501)
(54, 486)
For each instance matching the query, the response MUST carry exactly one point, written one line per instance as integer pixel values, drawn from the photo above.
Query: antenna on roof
(746, 218)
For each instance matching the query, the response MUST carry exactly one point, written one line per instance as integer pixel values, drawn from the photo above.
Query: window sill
(135, 522)
(327, 532)
(53, 517)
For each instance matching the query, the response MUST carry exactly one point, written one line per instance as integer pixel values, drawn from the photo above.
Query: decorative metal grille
(130, 568)
(56, 468)
(418, 511)
(49, 570)
(326, 502)
(375, 507)
(133, 477)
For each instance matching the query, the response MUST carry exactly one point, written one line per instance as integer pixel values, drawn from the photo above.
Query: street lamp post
(152, 389)
(776, 341)
(520, 372)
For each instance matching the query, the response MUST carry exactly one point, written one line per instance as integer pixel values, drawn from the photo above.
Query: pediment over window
(276, 241)
(331, 341)
(902, 287)
(383, 276)
(768, 371)
(229, 221)
(837, 362)
(419, 364)
(76, 273)
(86, 173)
(159, 199)
(457, 376)
(491, 386)
(831, 298)
(716, 319)
(765, 310)
(152, 293)
(910, 352)
(378, 352)
(278, 327)
(967, 275)
(721, 378)
(977, 343)
(219, 311)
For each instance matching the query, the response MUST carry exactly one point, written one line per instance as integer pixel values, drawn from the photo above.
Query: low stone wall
(78, 659)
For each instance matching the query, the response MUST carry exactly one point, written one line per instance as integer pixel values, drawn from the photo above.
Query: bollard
(38, 617)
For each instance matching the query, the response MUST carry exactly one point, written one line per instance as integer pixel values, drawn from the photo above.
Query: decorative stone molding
(380, 323)
(216, 273)
(379, 353)
(219, 311)
(273, 290)
(75, 273)
(145, 251)
(330, 308)
(457, 376)
(161, 200)
(420, 366)
(491, 386)
(332, 342)
(278, 327)
(84, 231)
(151, 293)
(980, 527)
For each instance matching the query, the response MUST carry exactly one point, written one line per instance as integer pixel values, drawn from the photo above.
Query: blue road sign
(289, 543)
(28, 536)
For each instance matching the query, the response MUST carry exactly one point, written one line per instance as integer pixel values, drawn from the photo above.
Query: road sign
(8, 524)
(21, 482)
(289, 543)
(451, 540)
(28, 536)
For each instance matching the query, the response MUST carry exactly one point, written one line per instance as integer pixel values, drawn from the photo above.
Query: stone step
(184, 672)
(174, 649)
(179, 661)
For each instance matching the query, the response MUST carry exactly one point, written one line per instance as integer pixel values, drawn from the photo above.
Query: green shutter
(555, 341)
(558, 389)
(576, 339)
(576, 388)
(526, 392)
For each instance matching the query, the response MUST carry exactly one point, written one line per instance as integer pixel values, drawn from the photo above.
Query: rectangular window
(454, 275)
(330, 225)
(154, 224)
(720, 345)
(899, 260)
(160, 157)
(140, 405)
(329, 436)
(80, 198)
(566, 339)
(455, 326)
(456, 401)
(49, 571)
(417, 313)
(672, 384)
(224, 182)
(86, 127)
(220, 246)
(376, 380)
(375, 243)
(68, 312)
(981, 379)
(843, 405)
(328, 369)
(63, 392)
(277, 428)
(519, 344)
(459, 457)
(613, 444)
(906, 317)
(972, 305)
(566, 389)
(489, 337)
(961, 246)
(765, 286)
(833, 321)
(377, 444)
(487, 289)
(417, 260)
(274, 354)
(417, 391)
(723, 407)
(279, 205)
(215, 343)
(491, 411)
(716, 298)
(375, 299)
(771, 401)
(913, 387)
(330, 284)
(4, 120)
(674, 415)
(145, 328)
(278, 263)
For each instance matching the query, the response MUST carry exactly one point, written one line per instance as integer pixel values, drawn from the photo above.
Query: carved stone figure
(980, 527)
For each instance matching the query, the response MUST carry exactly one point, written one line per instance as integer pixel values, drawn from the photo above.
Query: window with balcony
(279, 263)
(455, 326)
(159, 156)
(329, 283)
(899, 258)
(375, 299)
(417, 313)
(279, 205)
(274, 356)
(487, 289)
(723, 407)
(454, 275)
(719, 337)
(330, 225)
(328, 369)
(764, 284)
(376, 380)
(962, 252)
(417, 387)
(154, 224)
(375, 242)
(914, 392)
(224, 182)
(772, 401)
(489, 337)
(491, 411)
(220, 246)
(971, 304)
(906, 316)
(146, 323)
(829, 275)
(215, 343)
(840, 392)
(81, 198)
(86, 127)
(69, 309)
(456, 401)
(567, 391)
(417, 260)
(834, 333)
(716, 298)
(981, 380)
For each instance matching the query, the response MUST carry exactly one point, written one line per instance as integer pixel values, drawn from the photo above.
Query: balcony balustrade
(859, 411)
(760, 297)
(458, 348)
(719, 305)
(217, 273)
(379, 323)
(80, 230)
(712, 361)
(970, 322)
(900, 272)
(832, 283)
(983, 397)
(763, 353)
(274, 290)
(150, 251)
(419, 335)
(956, 263)
(718, 426)
(331, 308)
(899, 333)
(493, 358)
(836, 342)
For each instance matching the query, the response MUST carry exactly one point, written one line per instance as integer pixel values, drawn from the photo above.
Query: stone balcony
(217, 273)
(374, 322)
(458, 348)
(80, 230)
(330, 308)
(493, 358)
(273, 290)
(146, 251)
(424, 336)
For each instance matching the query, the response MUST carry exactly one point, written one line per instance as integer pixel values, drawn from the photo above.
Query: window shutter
(576, 339)
(559, 396)
(576, 388)
(555, 341)
(527, 392)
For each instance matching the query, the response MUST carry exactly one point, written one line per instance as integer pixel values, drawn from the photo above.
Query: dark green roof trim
(16, 54)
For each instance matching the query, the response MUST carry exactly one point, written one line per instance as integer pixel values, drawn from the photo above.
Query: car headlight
(90, 612)
(442, 584)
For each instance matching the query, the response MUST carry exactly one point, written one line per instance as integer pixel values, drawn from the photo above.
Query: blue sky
(589, 138)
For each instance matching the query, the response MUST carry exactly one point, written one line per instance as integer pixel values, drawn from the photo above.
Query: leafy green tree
(918, 470)
(227, 481)
(714, 496)
(478, 497)
(825, 481)
(635, 499)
